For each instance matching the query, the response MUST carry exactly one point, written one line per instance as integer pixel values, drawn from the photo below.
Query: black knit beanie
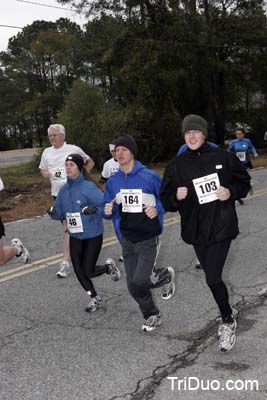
(128, 142)
(77, 159)
(193, 122)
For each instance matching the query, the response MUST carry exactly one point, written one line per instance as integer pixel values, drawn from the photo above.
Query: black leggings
(212, 259)
(84, 255)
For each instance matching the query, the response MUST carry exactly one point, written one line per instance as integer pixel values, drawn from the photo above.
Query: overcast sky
(20, 14)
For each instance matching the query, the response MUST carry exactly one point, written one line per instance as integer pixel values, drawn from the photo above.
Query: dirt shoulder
(24, 201)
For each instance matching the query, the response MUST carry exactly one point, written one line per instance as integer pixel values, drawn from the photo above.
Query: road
(50, 349)
(16, 157)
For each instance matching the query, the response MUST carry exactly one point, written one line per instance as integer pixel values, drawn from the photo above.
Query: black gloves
(89, 210)
(50, 211)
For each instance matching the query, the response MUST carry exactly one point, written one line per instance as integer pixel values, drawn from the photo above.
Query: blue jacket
(73, 197)
(184, 147)
(135, 226)
(242, 146)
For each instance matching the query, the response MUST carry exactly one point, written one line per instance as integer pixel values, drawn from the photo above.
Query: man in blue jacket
(132, 201)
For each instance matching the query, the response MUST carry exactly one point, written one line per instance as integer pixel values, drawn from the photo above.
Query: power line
(11, 26)
(47, 5)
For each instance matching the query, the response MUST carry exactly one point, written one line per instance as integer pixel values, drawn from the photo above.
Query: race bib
(206, 187)
(74, 222)
(58, 178)
(241, 155)
(131, 200)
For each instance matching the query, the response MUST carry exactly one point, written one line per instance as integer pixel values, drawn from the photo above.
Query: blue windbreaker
(241, 147)
(135, 226)
(73, 197)
(184, 147)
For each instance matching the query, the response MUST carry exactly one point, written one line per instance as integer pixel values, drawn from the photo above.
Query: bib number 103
(206, 187)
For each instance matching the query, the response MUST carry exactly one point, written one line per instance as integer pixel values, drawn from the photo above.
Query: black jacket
(209, 222)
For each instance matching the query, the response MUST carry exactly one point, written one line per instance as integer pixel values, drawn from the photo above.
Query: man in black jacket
(203, 184)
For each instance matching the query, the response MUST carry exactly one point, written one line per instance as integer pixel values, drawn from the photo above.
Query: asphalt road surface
(50, 349)
(16, 157)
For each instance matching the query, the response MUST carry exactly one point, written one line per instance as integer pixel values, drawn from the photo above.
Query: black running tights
(212, 259)
(84, 255)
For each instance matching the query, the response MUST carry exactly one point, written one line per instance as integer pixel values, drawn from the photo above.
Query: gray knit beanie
(193, 122)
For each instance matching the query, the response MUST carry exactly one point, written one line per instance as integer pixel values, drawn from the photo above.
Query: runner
(203, 184)
(132, 201)
(16, 249)
(79, 202)
(52, 166)
(241, 146)
(110, 167)
(181, 150)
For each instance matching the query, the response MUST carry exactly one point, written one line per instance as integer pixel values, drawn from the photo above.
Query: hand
(151, 212)
(181, 193)
(51, 211)
(256, 155)
(109, 207)
(223, 193)
(89, 210)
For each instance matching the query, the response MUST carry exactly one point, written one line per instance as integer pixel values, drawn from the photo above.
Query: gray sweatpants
(139, 262)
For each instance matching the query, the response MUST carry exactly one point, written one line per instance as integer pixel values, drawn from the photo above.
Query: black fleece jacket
(209, 222)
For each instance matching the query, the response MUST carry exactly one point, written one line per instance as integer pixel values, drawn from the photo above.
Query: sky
(19, 14)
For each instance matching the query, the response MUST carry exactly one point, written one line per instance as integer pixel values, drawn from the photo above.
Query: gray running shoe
(151, 323)
(22, 251)
(168, 290)
(114, 271)
(64, 269)
(228, 336)
(94, 304)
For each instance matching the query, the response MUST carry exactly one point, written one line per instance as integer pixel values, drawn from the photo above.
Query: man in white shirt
(52, 166)
(110, 167)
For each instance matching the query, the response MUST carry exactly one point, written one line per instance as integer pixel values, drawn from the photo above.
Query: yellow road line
(109, 241)
(28, 268)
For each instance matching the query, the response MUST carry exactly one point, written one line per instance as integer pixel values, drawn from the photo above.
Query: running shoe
(198, 265)
(64, 269)
(220, 329)
(22, 251)
(121, 259)
(114, 271)
(168, 290)
(228, 336)
(94, 304)
(151, 323)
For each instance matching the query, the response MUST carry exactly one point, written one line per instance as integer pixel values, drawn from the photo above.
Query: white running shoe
(64, 269)
(22, 251)
(114, 271)
(169, 289)
(228, 336)
(152, 323)
(94, 304)
(234, 315)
